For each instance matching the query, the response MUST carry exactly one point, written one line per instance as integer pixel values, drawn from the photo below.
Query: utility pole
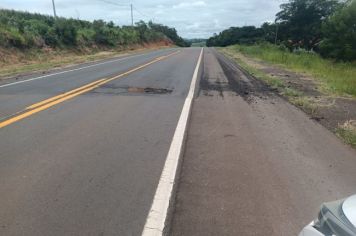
(54, 9)
(275, 39)
(132, 21)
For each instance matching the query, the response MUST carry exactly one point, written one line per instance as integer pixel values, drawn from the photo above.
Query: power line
(114, 3)
(142, 14)
(132, 9)
(122, 5)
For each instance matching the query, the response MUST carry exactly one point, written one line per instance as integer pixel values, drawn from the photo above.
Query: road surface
(90, 165)
(83, 150)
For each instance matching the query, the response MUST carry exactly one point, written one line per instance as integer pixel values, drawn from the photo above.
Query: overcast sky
(191, 18)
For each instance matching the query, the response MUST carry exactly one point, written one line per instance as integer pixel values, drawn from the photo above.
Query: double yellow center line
(43, 105)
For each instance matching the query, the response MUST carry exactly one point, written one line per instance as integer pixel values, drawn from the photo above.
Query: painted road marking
(44, 107)
(62, 72)
(62, 95)
(156, 220)
(40, 106)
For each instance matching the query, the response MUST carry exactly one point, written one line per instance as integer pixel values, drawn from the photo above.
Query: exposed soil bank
(15, 62)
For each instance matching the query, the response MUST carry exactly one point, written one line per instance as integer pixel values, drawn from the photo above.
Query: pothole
(149, 90)
(116, 90)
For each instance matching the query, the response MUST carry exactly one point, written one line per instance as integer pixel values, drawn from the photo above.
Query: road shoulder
(254, 164)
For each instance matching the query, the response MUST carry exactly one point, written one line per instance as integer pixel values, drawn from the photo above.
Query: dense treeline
(170, 33)
(237, 35)
(197, 42)
(324, 26)
(27, 30)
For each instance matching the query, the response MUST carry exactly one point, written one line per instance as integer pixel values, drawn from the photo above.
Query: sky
(191, 18)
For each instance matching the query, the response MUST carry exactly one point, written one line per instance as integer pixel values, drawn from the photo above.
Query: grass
(337, 77)
(348, 133)
(289, 92)
(306, 104)
(43, 61)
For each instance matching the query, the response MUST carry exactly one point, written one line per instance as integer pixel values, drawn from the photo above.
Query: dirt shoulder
(19, 63)
(336, 113)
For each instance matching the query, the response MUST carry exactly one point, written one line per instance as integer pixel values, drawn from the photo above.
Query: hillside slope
(30, 41)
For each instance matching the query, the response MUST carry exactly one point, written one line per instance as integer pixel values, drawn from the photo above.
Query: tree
(269, 31)
(171, 33)
(66, 31)
(236, 35)
(300, 21)
(339, 32)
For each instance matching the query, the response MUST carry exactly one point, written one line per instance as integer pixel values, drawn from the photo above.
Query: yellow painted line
(40, 106)
(44, 107)
(62, 95)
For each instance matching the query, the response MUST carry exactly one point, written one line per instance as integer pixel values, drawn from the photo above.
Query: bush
(51, 38)
(15, 39)
(27, 30)
(35, 26)
(67, 32)
(85, 36)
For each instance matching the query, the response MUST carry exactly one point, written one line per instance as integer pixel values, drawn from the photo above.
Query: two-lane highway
(82, 151)
(17, 95)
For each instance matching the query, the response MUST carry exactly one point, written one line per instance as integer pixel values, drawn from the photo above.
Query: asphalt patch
(247, 87)
(110, 89)
(206, 86)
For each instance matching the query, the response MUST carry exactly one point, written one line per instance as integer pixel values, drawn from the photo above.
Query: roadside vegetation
(336, 77)
(311, 50)
(347, 132)
(31, 42)
(27, 30)
(17, 62)
(326, 27)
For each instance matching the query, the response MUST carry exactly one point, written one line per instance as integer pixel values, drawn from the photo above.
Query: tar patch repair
(110, 89)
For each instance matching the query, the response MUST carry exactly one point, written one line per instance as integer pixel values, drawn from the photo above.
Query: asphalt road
(88, 161)
(90, 165)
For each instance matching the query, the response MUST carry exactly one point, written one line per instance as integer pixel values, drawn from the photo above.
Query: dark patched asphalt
(90, 165)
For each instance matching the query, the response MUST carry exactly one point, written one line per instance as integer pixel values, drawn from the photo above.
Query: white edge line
(156, 219)
(81, 68)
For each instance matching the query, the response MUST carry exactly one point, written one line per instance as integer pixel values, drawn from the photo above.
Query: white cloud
(189, 4)
(194, 26)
